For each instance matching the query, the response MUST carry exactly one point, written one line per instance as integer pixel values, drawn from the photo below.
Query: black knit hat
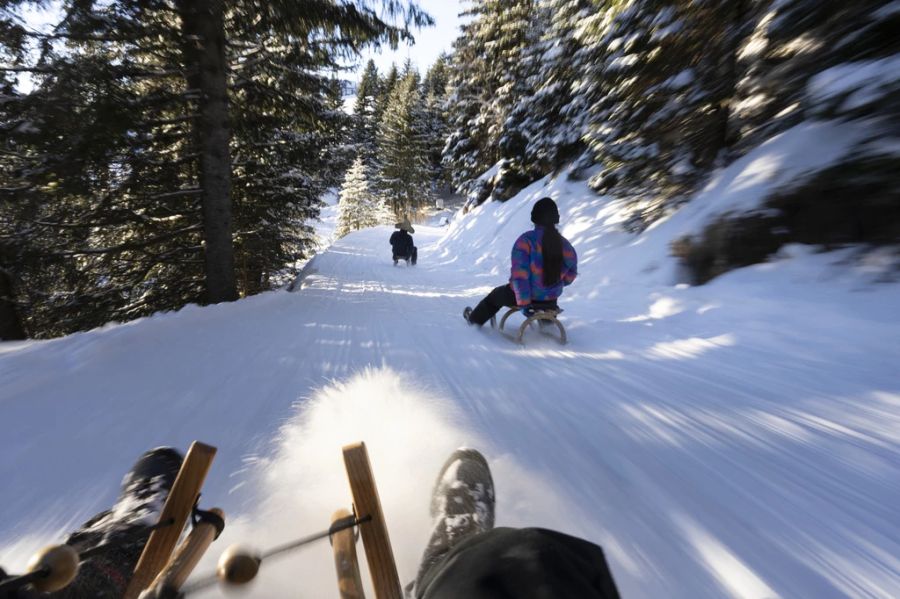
(545, 212)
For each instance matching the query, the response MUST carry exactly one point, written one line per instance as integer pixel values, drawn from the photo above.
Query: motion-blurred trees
(168, 152)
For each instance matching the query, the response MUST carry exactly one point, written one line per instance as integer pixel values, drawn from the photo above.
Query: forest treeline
(165, 157)
(168, 151)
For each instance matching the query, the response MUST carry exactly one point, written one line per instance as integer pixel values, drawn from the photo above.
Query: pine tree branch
(174, 194)
(123, 247)
(172, 121)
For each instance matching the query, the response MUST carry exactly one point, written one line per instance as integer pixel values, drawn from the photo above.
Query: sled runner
(540, 312)
(239, 566)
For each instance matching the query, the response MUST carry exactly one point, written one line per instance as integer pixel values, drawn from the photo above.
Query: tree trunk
(735, 32)
(203, 30)
(10, 324)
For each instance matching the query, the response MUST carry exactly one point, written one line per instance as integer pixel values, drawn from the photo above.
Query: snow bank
(856, 83)
(608, 255)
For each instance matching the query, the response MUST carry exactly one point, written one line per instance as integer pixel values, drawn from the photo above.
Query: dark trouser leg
(528, 563)
(496, 299)
(415, 254)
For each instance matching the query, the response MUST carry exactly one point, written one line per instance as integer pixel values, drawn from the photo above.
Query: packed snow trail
(717, 441)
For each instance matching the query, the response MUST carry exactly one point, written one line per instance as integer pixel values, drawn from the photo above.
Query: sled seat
(540, 312)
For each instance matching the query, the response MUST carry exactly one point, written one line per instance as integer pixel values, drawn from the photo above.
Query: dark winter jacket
(402, 242)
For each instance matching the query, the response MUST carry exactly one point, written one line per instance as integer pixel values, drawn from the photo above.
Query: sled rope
(337, 526)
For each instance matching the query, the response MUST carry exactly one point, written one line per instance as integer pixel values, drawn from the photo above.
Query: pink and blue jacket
(527, 276)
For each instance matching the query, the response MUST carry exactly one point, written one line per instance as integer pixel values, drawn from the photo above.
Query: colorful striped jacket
(527, 276)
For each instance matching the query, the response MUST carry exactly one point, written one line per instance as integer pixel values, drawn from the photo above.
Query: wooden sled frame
(545, 315)
(372, 529)
(162, 570)
(158, 572)
(238, 565)
(157, 568)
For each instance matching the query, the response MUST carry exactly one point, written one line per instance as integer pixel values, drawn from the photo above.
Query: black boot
(462, 505)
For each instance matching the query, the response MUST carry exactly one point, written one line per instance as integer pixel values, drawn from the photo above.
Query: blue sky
(430, 41)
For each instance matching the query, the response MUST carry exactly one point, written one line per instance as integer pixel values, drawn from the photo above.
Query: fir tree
(467, 152)
(658, 99)
(516, 100)
(434, 90)
(488, 76)
(557, 110)
(404, 178)
(359, 207)
(365, 112)
(385, 89)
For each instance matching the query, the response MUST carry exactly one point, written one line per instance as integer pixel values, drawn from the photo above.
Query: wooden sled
(376, 543)
(161, 574)
(159, 571)
(239, 566)
(543, 312)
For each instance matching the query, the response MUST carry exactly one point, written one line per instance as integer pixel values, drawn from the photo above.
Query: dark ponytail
(546, 214)
(553, 255)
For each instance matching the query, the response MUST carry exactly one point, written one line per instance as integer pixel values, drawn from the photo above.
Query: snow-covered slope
(738, 439)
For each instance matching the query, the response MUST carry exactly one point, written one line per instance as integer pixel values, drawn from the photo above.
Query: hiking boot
(467, 313)
(462, 505)
(463, 494)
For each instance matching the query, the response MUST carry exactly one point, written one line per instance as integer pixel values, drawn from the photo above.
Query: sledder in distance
(402, 245)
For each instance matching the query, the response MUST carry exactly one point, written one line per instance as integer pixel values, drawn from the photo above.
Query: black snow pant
(412, 256)
(496, 299)
(525, 563)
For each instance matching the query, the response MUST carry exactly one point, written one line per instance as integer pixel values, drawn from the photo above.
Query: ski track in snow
(692, 432)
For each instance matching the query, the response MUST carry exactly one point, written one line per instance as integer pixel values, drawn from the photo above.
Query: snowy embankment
(739, 439)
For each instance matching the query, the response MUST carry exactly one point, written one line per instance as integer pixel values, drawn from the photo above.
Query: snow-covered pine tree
(386, 87)
(525, 51)
(466, 153)
(785, 44)
(434, 90)
(659, 96)
(359, 207)
(405, 179)
(558, 107)
(365, 115)
(489, 74)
